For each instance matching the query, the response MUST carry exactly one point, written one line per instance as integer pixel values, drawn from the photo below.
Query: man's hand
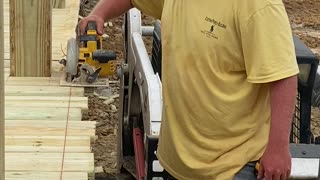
(83, 23)
(104, 11)
(275, 164)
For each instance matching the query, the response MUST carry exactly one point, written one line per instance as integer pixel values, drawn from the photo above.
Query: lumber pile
(44, 132)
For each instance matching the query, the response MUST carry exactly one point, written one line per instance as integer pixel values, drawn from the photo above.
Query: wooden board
(80, 144)
(2, 140)
(51, 162)
(12, 90)
(52, 102)
(31, 38)
(7, 64)
(43, 113)
(18, 175)
(64, 22)
(49, 128)
(32, 81)
(58, 3)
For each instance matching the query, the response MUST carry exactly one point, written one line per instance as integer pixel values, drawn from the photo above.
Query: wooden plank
(49, 128)
(7, 64)
(31, 38)
(46, 175)
(43, 91)
(79, 144)
(64, 22)
(39, 101)
(2, 133)
(51, 162)
(33, 81)
(58, 3)
(43, 113)
(6, 74)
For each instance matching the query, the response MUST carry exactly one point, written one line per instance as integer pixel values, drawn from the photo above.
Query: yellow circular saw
(86, 59)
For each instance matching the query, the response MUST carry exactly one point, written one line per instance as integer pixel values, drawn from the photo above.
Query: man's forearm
(283, 98)
(108, 9)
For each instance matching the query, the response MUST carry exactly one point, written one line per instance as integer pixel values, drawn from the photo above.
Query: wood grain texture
(47, 101)
(31, 42)
(2, 138)
(43, 91)
(58, 3)
(64, 22)
(52, 144)
(50, 128)
(43, 113)
(46, 175)
(50, 162)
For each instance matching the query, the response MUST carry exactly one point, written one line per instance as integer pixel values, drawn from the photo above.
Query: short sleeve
(267, 45)
(149, 7)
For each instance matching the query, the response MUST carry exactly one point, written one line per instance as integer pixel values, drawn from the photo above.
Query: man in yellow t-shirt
(229, 85)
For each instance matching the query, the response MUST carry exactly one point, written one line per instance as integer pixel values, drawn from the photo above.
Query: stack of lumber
(44, 132)
(44, 135)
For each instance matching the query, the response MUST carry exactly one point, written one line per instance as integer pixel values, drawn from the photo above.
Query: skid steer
(141, 106)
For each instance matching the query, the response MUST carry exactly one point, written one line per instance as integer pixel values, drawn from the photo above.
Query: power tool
(86, 59)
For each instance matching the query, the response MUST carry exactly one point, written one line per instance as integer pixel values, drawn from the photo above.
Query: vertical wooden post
(2, 135)
(31, 38)
(58, 3)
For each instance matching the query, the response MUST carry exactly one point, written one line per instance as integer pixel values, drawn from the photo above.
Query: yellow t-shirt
(219, 57)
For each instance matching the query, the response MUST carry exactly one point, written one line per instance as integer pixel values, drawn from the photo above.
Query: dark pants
(248, 172)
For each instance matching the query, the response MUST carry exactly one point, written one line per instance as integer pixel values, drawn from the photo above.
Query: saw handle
(104, 56)
(92, 25)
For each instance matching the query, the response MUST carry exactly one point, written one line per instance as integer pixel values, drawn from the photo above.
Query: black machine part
(92, 25)
(104, 56)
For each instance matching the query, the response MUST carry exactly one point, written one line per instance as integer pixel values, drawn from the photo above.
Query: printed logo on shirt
(214, 24)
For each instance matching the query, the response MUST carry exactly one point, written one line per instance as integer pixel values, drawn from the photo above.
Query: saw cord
(65, 136)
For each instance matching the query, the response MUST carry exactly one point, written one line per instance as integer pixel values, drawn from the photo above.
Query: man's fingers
(284, 176)
(82, 26)
(276, 176)
(288, 173)
(261, 172)
(100, 28)
(268, 175)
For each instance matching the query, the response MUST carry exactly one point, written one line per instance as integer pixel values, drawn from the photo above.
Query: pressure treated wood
(63, 24)
(46, 175)
(31, 38)
(2, 139)
(43, 113)
(52, 144)
(12, 90)
(47, 101)
(58, 3)
(49, 128)
(33, 81)
(50, 162)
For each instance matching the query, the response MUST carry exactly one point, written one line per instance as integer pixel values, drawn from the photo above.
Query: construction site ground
(304, 16)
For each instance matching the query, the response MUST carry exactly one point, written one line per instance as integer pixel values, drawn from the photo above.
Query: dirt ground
(304, 16)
